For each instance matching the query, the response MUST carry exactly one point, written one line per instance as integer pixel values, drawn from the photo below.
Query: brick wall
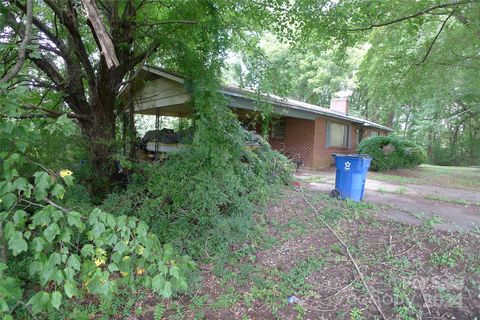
(322, 155)
(307, 139)
(298, 141)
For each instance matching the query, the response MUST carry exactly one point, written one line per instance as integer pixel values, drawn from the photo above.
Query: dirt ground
(293, 267)
(414, 272)
(416, 200)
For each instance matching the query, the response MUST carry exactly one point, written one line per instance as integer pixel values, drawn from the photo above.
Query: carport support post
(131, 133)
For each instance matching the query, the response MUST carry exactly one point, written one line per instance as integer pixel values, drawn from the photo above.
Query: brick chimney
(339, 105)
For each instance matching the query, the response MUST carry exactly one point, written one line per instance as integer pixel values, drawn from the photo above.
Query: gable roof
(284, 106)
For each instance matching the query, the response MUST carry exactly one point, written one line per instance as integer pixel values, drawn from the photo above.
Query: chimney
(339, 105)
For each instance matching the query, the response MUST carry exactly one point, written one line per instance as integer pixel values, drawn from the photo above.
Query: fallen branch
(108, 49)
(360, 274)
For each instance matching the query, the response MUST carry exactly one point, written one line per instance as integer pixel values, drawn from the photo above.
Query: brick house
(307, 132)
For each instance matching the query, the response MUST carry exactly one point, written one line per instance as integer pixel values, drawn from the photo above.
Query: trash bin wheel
(335, 193)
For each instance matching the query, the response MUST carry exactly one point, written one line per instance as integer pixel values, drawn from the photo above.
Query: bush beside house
(389, 153)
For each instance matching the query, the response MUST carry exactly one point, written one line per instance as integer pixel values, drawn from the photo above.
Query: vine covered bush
(390, 153)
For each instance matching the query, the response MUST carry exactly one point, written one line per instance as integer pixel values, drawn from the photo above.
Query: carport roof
(237, 96)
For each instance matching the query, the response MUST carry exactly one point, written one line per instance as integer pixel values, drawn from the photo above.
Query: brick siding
(306, 139)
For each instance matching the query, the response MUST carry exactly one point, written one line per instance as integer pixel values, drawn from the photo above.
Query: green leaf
(70, 289)
(51, 232)
(8, 200)
(98, 229)
(21, 184)
(182, 284)
(112, 267)
(39, 302)
(74, 219)
(58, 191)
(111, 221)
(17, 244)
(87, 250)
(19, 218)
(3, 305)
(68, 180)
(120, 247)
(167, 290)
(43, 181)
(6, 187)
(175, 272)
(56, 299)
(38, 244)
(158, 282)
(73, 262)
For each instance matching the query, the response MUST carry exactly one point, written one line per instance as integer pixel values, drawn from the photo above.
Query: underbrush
(199, 205)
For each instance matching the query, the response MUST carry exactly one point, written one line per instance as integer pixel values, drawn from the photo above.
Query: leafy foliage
(69, 253)
(389, 153)
(199, 205)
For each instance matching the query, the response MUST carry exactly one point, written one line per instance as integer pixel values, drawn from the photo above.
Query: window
(374, 133)
(278, 129)
(337, 135)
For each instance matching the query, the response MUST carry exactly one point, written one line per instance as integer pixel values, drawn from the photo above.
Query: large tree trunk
(102, 139)
(101, 135)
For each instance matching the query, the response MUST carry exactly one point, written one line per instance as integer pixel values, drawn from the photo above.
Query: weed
(225, 300)
(356, 314)
(382, 190)
(449, 258)
(401, 191)
(430, 223)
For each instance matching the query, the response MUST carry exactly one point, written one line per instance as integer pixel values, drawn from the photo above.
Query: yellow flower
(124, 274)
(140, 271)
(65, 173)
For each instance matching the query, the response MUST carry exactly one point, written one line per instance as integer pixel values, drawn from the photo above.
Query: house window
(374, 133)
(338, 135)
(278, 129)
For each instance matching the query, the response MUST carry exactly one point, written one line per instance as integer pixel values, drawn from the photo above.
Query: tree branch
(435, 39)
(23, 46)
(151, 24)
(417, 14)
(68, 20)
(45, 30)
(56, 114)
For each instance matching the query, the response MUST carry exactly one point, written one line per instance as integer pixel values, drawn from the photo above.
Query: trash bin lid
(352, 155)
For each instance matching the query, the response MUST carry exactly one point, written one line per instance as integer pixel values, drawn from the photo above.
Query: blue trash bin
(351, 175)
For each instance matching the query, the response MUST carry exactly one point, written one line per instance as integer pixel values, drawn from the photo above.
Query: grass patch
(462, 202)
(453, 177)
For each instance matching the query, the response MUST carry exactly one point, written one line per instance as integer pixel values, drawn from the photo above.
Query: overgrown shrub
(202, 206)
(389, 153)
(202, 200)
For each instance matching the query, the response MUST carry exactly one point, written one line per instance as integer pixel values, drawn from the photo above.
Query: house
(307, 132)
